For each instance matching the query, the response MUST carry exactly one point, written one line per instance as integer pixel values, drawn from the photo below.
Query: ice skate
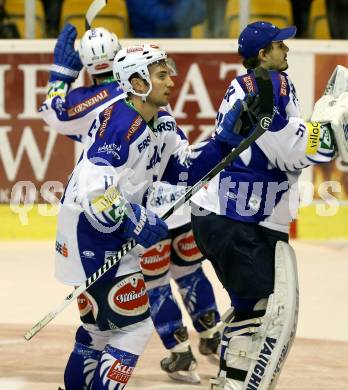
(181, 366)
(210, 347)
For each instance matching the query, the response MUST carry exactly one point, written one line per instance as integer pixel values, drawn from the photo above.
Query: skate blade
(185, 376)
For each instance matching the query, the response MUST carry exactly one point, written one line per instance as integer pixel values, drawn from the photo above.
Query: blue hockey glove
(144, 226)
(239, 121)
(67, 63)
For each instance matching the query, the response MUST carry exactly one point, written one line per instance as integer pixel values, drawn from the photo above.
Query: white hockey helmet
(97, 50)
(136, 59)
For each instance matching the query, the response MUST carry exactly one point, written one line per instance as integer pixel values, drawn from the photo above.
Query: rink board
(34, 159)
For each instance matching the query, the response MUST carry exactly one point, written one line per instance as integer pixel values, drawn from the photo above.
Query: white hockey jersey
(124, 151)
(73, 114)
(260, 185)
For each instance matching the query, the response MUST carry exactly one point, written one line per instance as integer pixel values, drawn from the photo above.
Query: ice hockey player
(71, 112)
(177, 257)
(241, 220)
(131, 144)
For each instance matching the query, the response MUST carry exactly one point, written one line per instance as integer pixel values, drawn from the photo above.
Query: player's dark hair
(254, 61)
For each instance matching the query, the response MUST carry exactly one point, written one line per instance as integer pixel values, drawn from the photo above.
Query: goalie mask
(136, 60)
(97, 50)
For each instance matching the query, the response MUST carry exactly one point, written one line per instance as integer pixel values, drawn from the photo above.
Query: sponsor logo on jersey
(88, 103)
(161, 197)
(156, 157)
(248, 82)
(109, 254)
(254, 202)
(120, 372)
(112, 149)
(165, 126)
(265, 122)
(58, 105)
(62, 248)
(144, 144)
(134, 127)
(84, 304)
(128, 297)
(111, 196)
(283, 85)
(156, 260)
(88, 254)
(186, 248)
(107, 115)
(313, 137)
(261, 364)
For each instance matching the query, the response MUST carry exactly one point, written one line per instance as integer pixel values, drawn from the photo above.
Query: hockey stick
(93, 11)
(264, 121)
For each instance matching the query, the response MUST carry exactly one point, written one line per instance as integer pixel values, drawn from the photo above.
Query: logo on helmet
(134, 49)
(101, 66)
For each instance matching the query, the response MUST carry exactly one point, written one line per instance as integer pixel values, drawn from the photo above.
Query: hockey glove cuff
(67, 63)
(144, 226)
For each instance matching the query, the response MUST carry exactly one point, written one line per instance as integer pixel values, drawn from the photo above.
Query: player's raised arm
(72, 111)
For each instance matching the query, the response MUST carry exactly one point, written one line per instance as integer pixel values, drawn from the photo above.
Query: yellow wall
(35, 226)
(31, 225)
(311, 226)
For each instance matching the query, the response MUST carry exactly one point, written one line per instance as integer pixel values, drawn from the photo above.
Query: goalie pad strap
(236, 374)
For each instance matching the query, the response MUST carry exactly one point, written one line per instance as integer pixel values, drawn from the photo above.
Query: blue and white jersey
(162, 196)
(121, 151)
(72, 113)
(260, 185)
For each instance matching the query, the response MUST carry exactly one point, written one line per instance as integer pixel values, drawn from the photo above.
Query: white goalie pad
(260, 346)
(333, 107)
(279, 324)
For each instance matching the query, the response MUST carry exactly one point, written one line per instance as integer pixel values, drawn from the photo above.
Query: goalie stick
(93, 11)
(265, 89)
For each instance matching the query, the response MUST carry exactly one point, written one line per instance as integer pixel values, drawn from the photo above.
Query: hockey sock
(82, 362)
(165, 313)
(114, 369)
(198, 296)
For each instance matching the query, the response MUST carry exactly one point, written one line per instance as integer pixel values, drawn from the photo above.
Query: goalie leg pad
(258, 347)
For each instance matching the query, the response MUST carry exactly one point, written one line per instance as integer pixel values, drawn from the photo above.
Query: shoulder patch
(134, 127)
(249, 83)
(88, 103)
(283, 85)
(106, 118)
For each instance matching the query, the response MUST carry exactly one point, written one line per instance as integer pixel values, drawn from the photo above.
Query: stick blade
(93, 11)
(41, 324)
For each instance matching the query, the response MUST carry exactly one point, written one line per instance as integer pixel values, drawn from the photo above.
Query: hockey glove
(67, 63)
(239, 121)
(144, 226)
